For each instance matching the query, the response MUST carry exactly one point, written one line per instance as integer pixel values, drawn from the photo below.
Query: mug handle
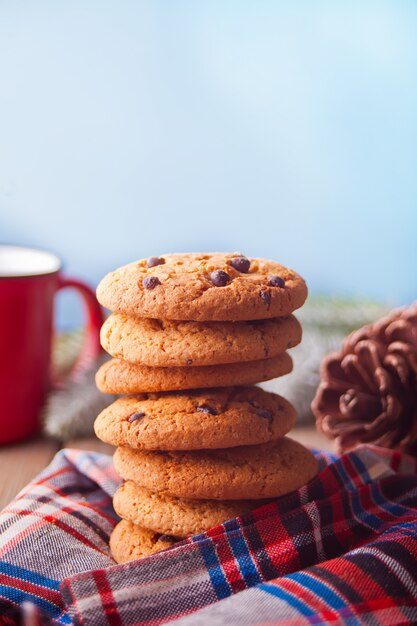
(91, 348)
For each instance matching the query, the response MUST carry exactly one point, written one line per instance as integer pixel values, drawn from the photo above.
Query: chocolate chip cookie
(166, 514)
(247, 472)
(118, 376)
(214, 418)
(129, 542)
(165, 343)
(203, 287)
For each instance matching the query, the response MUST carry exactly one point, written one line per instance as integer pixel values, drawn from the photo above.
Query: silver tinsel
(325, 322)
(70, 410)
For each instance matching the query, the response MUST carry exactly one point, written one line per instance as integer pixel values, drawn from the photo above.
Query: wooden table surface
(21, 462)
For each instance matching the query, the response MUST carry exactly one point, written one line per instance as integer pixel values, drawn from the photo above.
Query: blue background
(281, 129)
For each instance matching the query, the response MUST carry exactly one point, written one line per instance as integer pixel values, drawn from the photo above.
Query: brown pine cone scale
(368, 390)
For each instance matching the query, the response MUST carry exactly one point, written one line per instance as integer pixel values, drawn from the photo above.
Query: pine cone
(368, 392)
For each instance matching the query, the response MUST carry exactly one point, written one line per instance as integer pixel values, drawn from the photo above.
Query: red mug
(29, 281)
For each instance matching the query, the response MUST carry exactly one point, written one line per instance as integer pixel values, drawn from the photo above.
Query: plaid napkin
(341, 550)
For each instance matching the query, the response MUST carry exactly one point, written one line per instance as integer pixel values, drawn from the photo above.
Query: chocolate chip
(153, 261)
(276, 281)
(265, 296)
(189, 362)
(241, 264)
(266, 414)
(205, 408)
(150, 282)
(135, 416)
(219, 278)
(167, 538)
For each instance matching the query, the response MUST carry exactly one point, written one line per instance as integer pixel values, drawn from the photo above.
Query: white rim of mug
(47, 262)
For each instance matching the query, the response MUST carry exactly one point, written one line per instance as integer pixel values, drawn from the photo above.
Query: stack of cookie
(198, 444)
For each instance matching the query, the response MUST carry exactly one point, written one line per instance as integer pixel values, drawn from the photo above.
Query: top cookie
(203, 287)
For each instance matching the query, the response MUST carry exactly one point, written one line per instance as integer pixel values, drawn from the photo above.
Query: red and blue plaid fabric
(341, 550)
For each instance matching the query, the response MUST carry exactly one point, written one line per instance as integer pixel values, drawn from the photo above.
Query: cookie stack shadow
(198, 443)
